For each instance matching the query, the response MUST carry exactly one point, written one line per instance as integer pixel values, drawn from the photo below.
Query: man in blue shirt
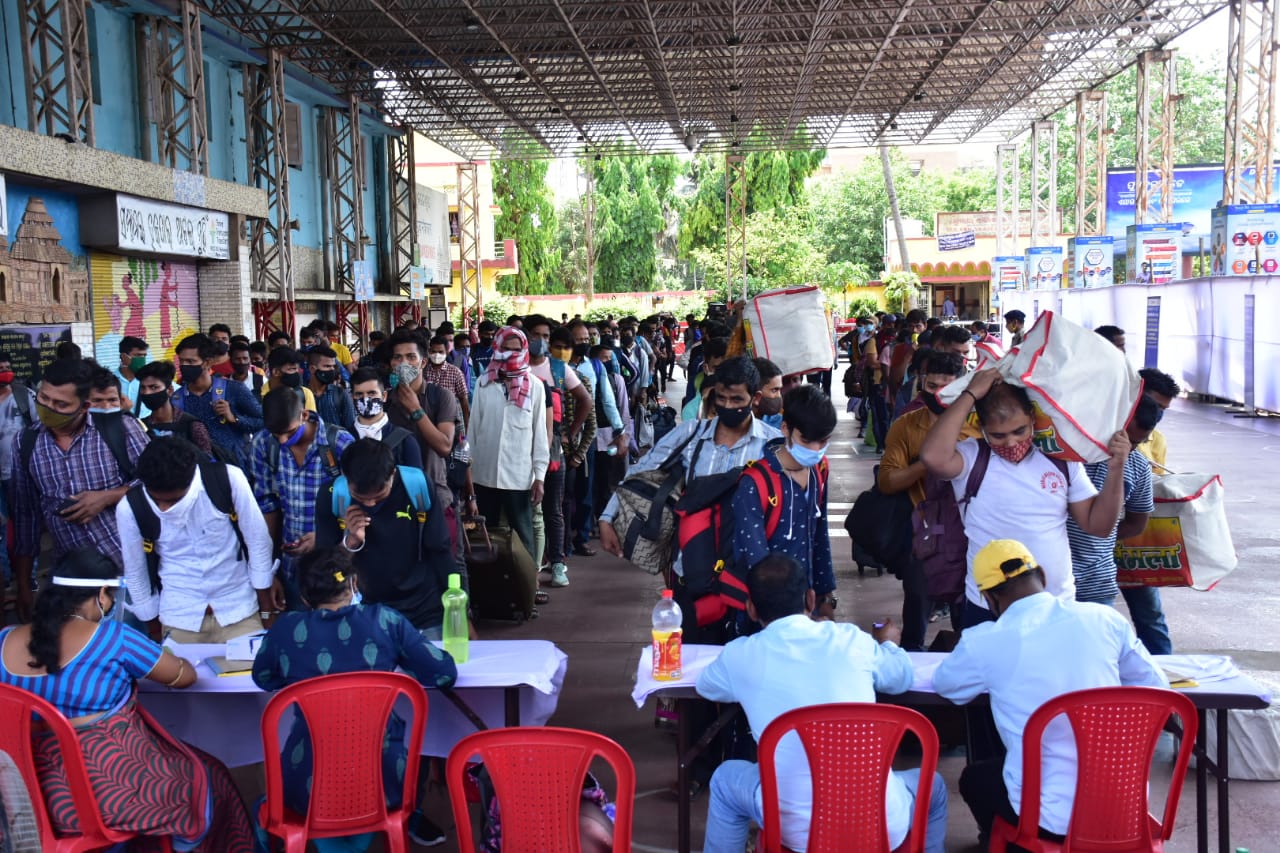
(796, 662)
(333, 403)
(227, 408)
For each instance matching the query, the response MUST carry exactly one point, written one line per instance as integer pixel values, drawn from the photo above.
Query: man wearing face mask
(483, 350)
(227, 409)
(243, 369)
(901, 470)
(607, 415)
(1023, 493)
(460, 357)
(17, 412)
(769, 409)
(70, 479)
(438, 371)
(284, 370)
(293, 457)
(579, 444)
(611, 461)
(213, 588)
(402, 554)
(154, 383)
(798, 463)
(369, 395)
(333, 404)
(428, 411)
(133, 356)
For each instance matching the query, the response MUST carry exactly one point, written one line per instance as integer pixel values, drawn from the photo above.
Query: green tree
(775, 181)
(633, 196)
(528, 217)
(848, 212)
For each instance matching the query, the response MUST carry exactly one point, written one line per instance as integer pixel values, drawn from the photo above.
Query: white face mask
(436, 358)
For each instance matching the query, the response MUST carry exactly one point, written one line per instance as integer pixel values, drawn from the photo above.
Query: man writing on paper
(1019, 660)
(795, 662)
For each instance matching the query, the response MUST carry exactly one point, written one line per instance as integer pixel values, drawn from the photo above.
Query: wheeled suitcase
(504, 579)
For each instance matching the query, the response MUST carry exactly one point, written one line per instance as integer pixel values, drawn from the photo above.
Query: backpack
(22, 399)
(706, 532)
(392, 439)
(646, 520)
(415, 483)
(938, 536)
(879, 525)
(217, 485)
(332, 469)
(110, 426)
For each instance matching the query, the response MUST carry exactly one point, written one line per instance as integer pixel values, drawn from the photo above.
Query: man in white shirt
(1023, 493)
(215, 568)
(1019, 660)
(796, 662)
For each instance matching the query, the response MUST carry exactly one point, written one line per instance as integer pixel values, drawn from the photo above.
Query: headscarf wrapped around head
(511, 367)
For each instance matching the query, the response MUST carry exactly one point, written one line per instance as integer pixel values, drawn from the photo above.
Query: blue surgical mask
(95, 410)
(297, 435)
(806, 456)
(357, 597)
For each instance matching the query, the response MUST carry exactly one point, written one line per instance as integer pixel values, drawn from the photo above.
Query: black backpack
(217, 484)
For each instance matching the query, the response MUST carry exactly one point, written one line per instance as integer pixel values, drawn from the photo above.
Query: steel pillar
(1008, 201)
(469, 271)
(735, 224)
(353, 318)
(1157, 106)
(179, 70)
(272, 315)
(1251, 101)
(1091, 163)
(342, 139)
(56, 70)
(404, 207)
(1044, 183)
(403, 312)
(271, 238)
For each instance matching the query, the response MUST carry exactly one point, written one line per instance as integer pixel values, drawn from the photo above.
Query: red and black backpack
(705, 533)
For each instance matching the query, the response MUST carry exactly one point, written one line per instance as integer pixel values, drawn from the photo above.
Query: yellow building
(437, 168)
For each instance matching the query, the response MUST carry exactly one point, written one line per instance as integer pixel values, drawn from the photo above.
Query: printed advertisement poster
(154, 300)
(1007, 272)
(1091, 261)
(1246, 239)
(31, 348)
(1197, 190)
(362, 276)
(1154, 252)
(417, 283)
(1044, 267)
(433, 235)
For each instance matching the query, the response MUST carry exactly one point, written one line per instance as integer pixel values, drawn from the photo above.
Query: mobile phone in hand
(66, 506)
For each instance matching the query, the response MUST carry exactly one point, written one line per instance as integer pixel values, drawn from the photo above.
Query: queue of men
(235, 446)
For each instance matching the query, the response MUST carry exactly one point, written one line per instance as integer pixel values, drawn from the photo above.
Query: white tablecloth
(222, 714)
(1215, 674)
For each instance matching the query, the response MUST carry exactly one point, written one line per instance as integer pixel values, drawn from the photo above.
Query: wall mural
(43, 277)
(153, 300)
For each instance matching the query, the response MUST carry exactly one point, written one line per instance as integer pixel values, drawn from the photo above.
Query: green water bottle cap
(455, 581)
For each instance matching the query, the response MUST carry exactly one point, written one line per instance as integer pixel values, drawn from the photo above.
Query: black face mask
(580, 351)
(191, 373)
(733, 418)
(154, 400)
(291, 380)
(326, 377)
(932, 403)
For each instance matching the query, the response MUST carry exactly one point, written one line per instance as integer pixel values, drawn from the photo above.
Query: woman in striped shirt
(87, 665)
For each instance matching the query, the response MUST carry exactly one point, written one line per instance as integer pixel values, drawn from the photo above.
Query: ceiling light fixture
(733, 40)
(734, 87)
(471, 24)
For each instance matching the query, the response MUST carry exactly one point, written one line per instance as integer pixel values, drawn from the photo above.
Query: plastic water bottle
(456, 636)
(666, 638)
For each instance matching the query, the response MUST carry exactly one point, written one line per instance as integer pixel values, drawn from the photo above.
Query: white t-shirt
(1027, 502)
(543, 372)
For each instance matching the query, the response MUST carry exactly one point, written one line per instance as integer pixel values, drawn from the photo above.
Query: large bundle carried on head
(1083, 388)
(791, 328)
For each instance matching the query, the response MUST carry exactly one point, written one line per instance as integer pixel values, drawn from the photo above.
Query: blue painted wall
(118, 129)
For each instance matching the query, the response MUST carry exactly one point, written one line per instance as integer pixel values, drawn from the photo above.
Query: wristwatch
(417, 415)
(830, 598)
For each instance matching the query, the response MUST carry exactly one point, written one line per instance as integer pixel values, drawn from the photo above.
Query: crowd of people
(248, 485)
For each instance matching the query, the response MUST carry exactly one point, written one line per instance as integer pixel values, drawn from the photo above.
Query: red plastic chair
(346, 716)
(1116, 730)
(537, 778)
(16, 708)
(850, 747)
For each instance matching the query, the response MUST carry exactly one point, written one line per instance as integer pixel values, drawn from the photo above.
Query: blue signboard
(1196, 191)
(1151, 357)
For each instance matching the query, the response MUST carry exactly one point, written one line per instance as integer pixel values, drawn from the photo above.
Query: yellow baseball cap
(1001, 560)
